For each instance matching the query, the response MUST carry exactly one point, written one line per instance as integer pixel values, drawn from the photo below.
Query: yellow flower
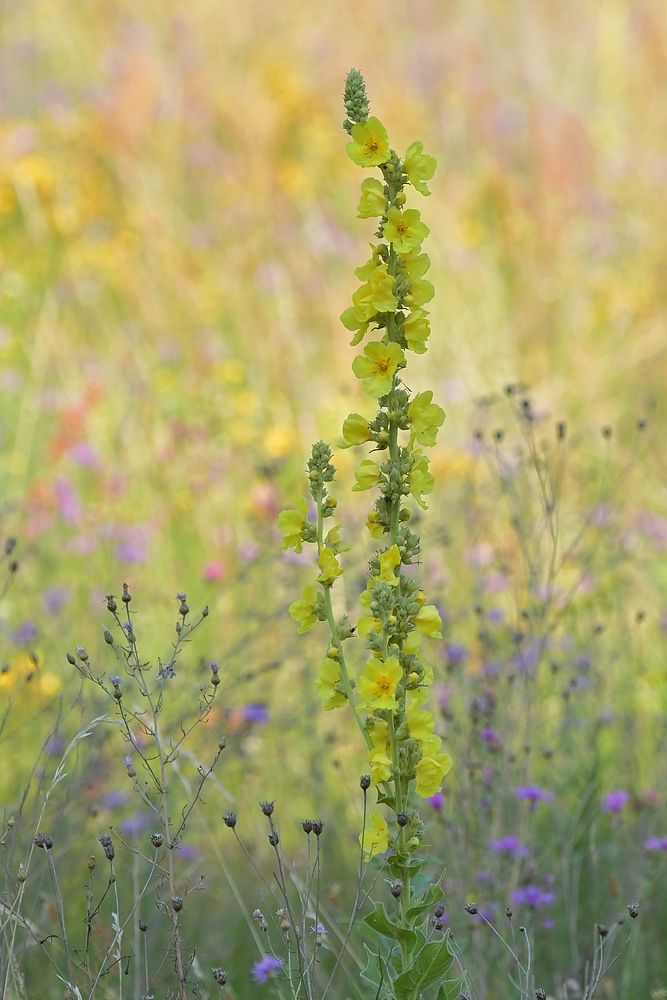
(377, 683)
(370, 143)
(375, 838)
(328, 677)
(355, 430)
(412, 643)
(404, 229)
(367, 475)
(419, 167)
(389, 560)
(380, 766)
(428, 621)
(366, 623)
(415, 264)
(334, 541)
(379, 734)
(291, 523)
(377, 369)
(420, 722)
(425, 418)
(373, 201)
(417, 330)
(364, 272)
(429, 772)
(421, 292)
(329, 568)
(421, 480)
(382, 284)
(303, 611)
(376, 529)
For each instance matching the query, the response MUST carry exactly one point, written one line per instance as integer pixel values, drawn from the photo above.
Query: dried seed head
(204, 613)
(21, 875)
(222, 743)
(267, 808)
(396, 888)
(439, 911)
(602, 930)
(111, 604)
(261, 920)
(91, 863)
(471, 908)
(283, 919)
(307, 825)
(318, 826)
(177, 903)
(403, 819)
(220, 976)
(437, 923)
(540, 994)
(107, 843)
(157, 839)
(230, 820)
(365, 781)
(633, 910)
(274, 838)
(509, 913)
(81, 653)
(71, 659)
(143, 926)
(43, 840)
(126, 594)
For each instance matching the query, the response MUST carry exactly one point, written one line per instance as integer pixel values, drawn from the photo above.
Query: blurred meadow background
(177, 241)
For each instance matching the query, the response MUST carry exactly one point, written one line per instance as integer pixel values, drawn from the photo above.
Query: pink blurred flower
(213, 570)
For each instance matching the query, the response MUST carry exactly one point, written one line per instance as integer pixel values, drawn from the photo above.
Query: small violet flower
(533, 794)
(510, 846)
(262, 970)
(532, 895)
(615, 802)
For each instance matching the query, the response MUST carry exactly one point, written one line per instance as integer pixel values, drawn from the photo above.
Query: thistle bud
(471, 908)
(157, 839)
(220, 976)
(318, 826)
(267, 808)
(230, 820)
(365, 781)
(43, 840)
(261, 920)
(274, 838)
(177, 903)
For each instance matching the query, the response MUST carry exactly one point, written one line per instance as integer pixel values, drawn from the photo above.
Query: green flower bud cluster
(355, 100)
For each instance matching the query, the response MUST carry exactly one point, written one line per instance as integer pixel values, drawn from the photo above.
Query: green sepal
(451, 990)
(430, 964)
(427, 900)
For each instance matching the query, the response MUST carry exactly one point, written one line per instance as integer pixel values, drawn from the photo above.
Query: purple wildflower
(83, 453)
(127, 760)
(115, 680)
(187, 851)
(456, 653)
(615, 802)
(114, 799)
(533, 794)
(268, 965)
(24, 634)
(68, 501)
(532, 895)
(435, 801)
(548, 923)
(256, 712)
(491, 738)
(656, 844)
(54, 744)
(55, 598)
(511, 846)
(248, 551)
(135, 823)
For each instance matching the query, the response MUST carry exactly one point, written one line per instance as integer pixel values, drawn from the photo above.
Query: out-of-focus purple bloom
(130, 552)
(549, 879)
(606, 716)
(456, 653)
(84, 454)
(266, 967)
(496, 615)
(435, 801)
(509, 845)
(136, 823)
(256, 712)
(491, 738)
(55, 598)
(532, 895)
(654, 527)
(114, 799)
(528, 658)
(24, 634)
(487, 776)
(479, 555)
(69, 504)
(248, 551)
(533, 794)
(615, 802)
(602, 515)
(493, 583)
(485, 877)
(656, 844)
(548, 923)
(493, 667)
(54, 744)
(583, 661)
(187, 851)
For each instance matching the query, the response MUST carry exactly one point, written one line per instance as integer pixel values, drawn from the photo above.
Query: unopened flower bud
(43, 840)
(220, 976)
(111, 604)
(509, 913)
(222, 743)
(274, 838)
(177, 903)
(71, 659)
(365, 781)
(307, 825)
(107, 843)
(283, 919)
(633, 910)
(91, 863)
(471, 908)
(396, 888)
(261, 920)
(143, 926)
(204, 613)
(157, 839)
(21, 874)
(318, 826)
(267, 808)
(439, 910)
(126, 594)
(108, 638)
(403, 818)
(230, 820)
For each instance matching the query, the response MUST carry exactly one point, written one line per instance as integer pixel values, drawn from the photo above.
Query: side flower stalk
(390, 691)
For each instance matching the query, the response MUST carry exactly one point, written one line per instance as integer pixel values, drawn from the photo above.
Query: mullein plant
(388, 694)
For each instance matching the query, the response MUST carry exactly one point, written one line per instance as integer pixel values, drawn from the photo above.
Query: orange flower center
(372, 145)
(384, 684)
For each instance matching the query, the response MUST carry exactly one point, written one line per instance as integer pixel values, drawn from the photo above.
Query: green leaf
(430, 964)
(373, 972)
(387, 800)
(381, 922)
(428, 899)
(451, 990)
